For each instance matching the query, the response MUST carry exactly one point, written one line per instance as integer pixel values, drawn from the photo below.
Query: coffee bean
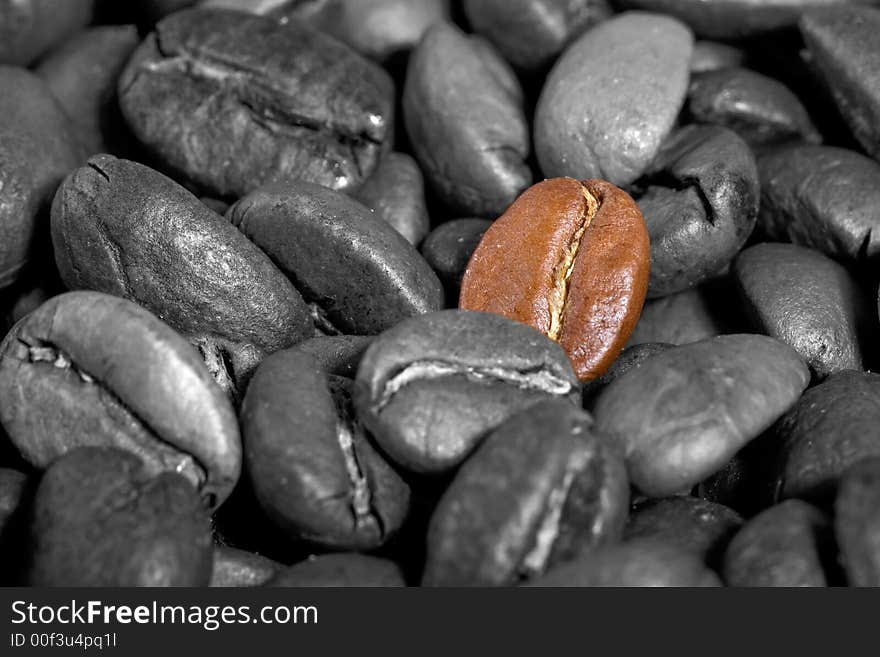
(37, 149)
(832, 427)
(360, 275)
(122, 228)
(349, 569)
(632, 564)
(823, 197)
(689, 523)
(808, 301)
(231, 101)
(685, 412)
(102, 519)
(449, 247)
(430, 388)
(630, 358)
(539, 490)
(758, 108)
(473, 153)
(28, 28)
(570, 259)
(786, 545)
(857, 522)
(714, 56)
(233, 567)
(396, 193)
(607, 120)
(531, 33)
(337, 354)
(89, 369)
(843, 44)
(700, 202)
(82, 74)
(312, 468)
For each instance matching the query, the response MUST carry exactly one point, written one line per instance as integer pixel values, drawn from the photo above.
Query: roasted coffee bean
(473, 153)
(822, 197)
(312, 468)
(82, 74)
(714, 56)
(102, 519)
(685, 412)
(122, 228)
(531, 33)
(233, 567)
(449, 247)
(631, 358)
(396, 193)
(608, 120)
(758, 108)
(832, 427)
(431, 388)
(337, 354)
(359, 274)
(28, 28)
(570, 259)
(808, 301)
(37, 149)
(844, 46)
(700, 202)
(689, 523)
(540, 489)
(90, 369)
(641, 563)
(349, 569)
(857, 522)
(230, 102)
(786, 545)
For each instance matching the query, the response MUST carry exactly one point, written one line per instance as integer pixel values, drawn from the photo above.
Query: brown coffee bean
(570, 259)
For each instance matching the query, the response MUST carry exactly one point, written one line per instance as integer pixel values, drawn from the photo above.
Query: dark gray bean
(857, 522)
(808, 301)
(28, 28)
(348, 569)
(700, 202)
(431, 388)
(448, 249)
(685, 412)
(629, 359)
(713, 56)
(360, 275)
(231, 101)
(539, 490)
(89, 369)
(608, 120)
(101, 519)
(472, 152)
(233, 567)
(337, 354)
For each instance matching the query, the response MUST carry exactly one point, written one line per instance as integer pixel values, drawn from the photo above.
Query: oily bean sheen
(348, 569)
(233, 567)
(462, 105)
(87, 368)
(396, 193)
(823, 197)
(37, 149)
(570, 259)
(30, 27)
(82, 74)
(641, 563)
(360, 275)
(808, 301)
(758, 108)
(122, 228)
(540, 489)
(833, 426)
(714, 56)
(311, 466)
(685, 412)
(845, 48)
(531, 33)
(700, 202)
(608, 119)
(432, 387)
(101, 519)
(857, 523)
(449, 247)
(691, 524)
(732, 19)
(232, 101)
(786, 545)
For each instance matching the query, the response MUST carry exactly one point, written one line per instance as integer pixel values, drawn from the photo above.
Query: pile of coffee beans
(440, 292)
